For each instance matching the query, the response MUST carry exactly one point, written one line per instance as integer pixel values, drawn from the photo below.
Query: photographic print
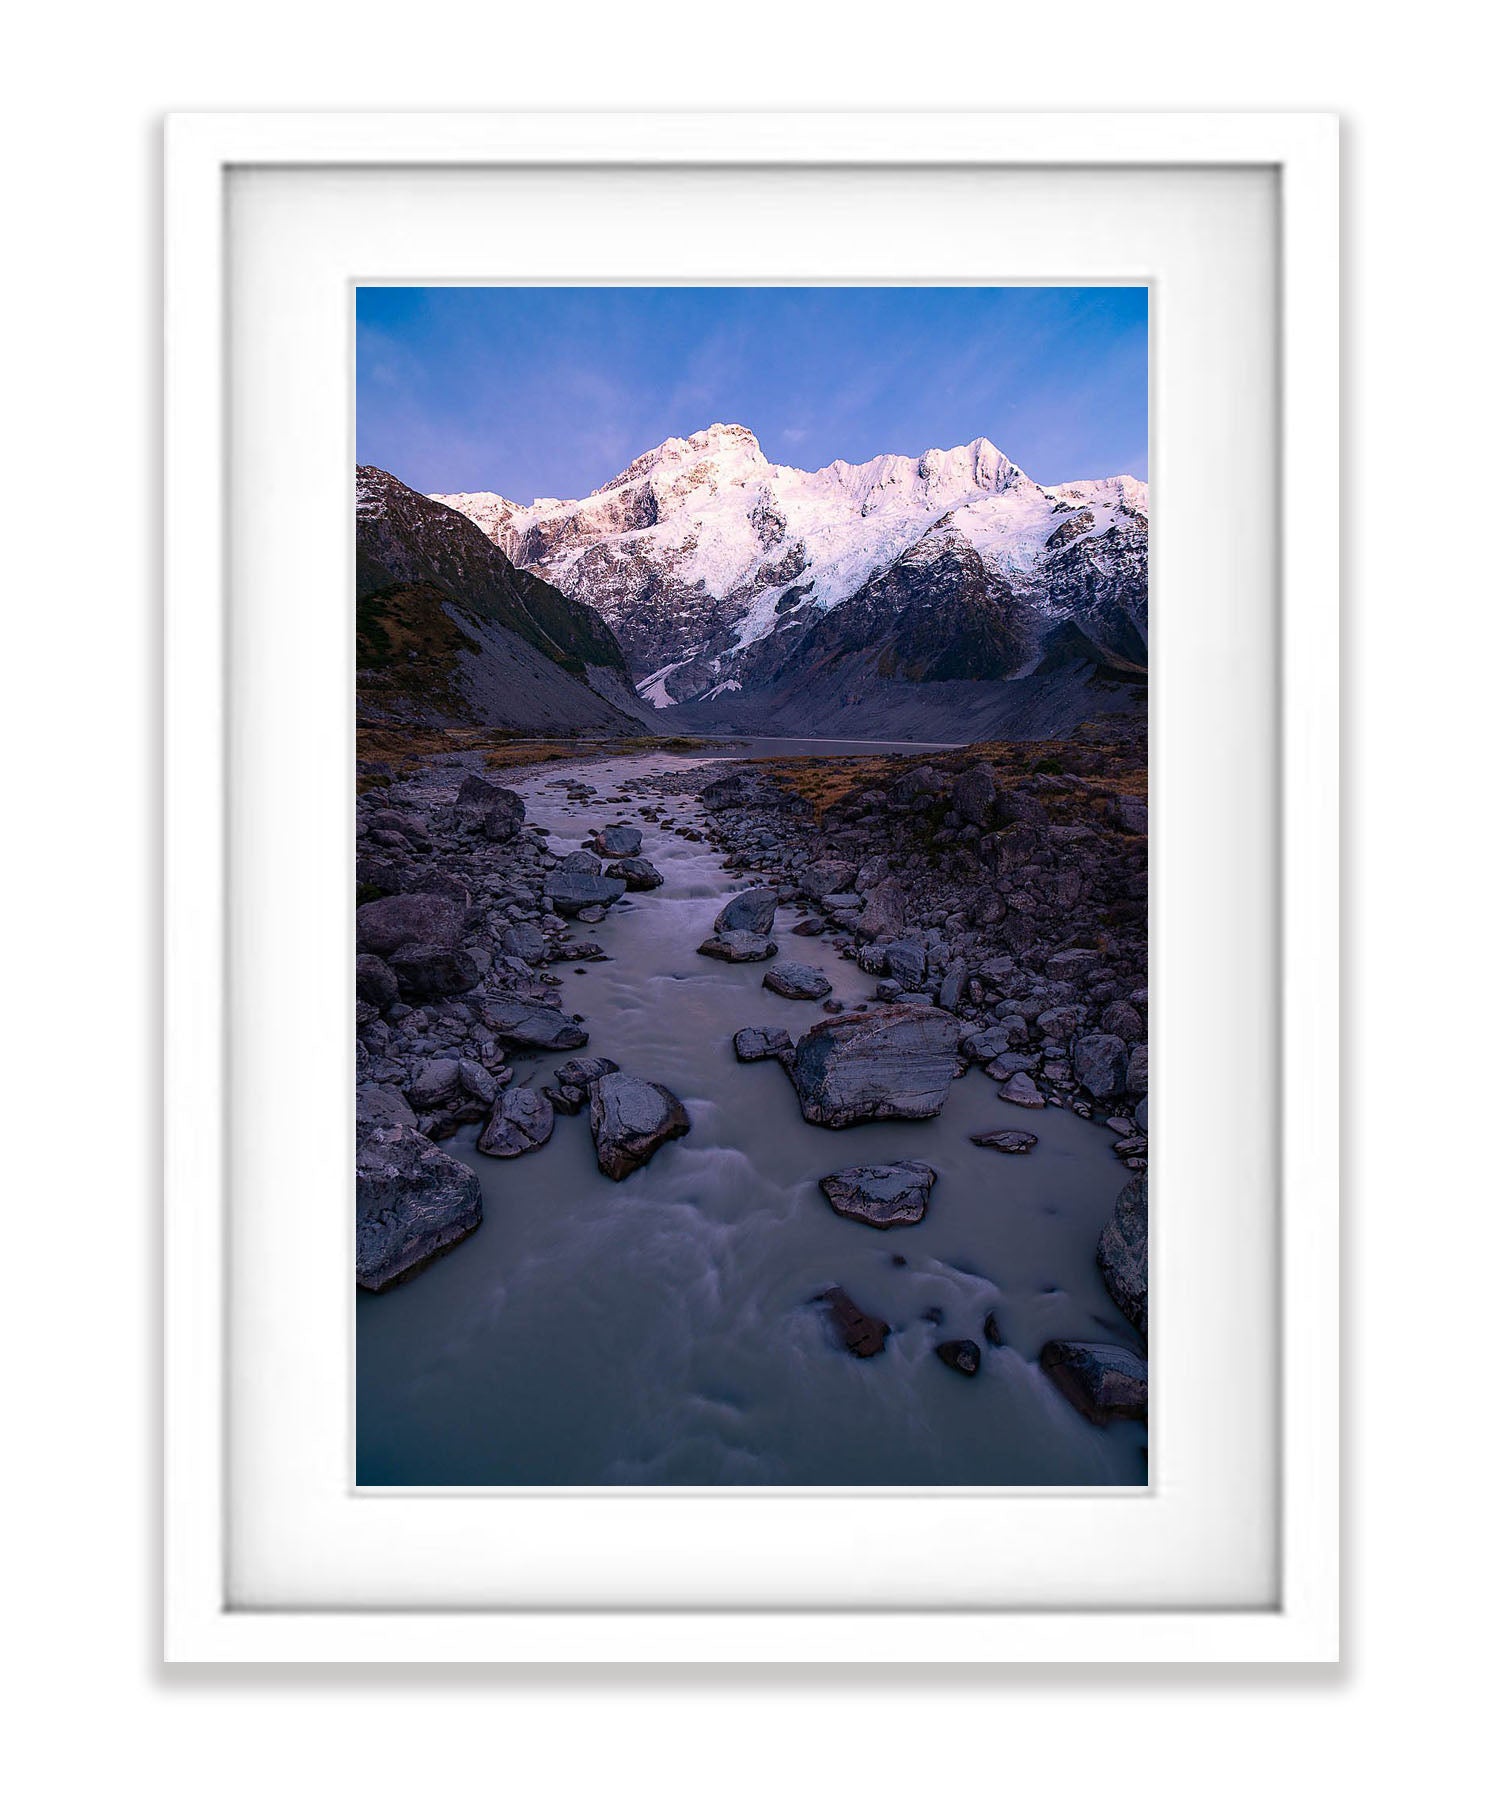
(751, 886)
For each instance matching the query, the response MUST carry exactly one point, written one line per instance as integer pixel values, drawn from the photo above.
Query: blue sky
(552, 391)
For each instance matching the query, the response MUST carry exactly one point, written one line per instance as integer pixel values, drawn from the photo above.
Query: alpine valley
(751, 980)
(947, 596)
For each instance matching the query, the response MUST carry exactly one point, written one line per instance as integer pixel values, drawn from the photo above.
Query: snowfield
(702, 546)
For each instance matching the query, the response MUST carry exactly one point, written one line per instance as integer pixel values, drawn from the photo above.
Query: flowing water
(662, 1329)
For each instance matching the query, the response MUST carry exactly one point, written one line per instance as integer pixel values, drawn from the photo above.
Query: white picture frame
(202, 1622)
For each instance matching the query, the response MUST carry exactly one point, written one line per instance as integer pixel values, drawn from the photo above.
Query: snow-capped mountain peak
(702, 550)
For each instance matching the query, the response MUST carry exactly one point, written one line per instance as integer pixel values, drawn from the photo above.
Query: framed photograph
(752, 703)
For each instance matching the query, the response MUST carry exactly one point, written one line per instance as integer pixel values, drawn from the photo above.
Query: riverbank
(623, 1309)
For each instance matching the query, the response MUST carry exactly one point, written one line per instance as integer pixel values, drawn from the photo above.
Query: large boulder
(382, 927)
(1100, 1064)
(435, 1081)
(738, 946)
(527, 943)
(493, 812)
(881, 1194)
(974, 794)
(906, 961)
(754, 910)
(827, 876)
(570, 891)
(379, 1104)
(522, 1120)
(861, 1333)
(433, 971)
(631, 1119)
(1122, 1253)
(412, 1203)
(533, 1027)
(884, 909)
(797, 981)
(638, 875)
(374, 983)
(1103, 1381)
(897, 1063)
(617, 840)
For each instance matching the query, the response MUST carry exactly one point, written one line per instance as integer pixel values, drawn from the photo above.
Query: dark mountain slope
(450, 631)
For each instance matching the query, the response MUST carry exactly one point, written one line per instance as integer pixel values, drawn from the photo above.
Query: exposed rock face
(413, 1202)
(797, 981)
(862, 1334)
(1010, 1143)
(754, 910)
(894, 1064)
(631, 1119)
(1122, 1253)
(961, 1354)
(754, 1043)
(762, 592)
(881, 1194)
(1103, 1381)
(738, 946)
(521, 1121)
(450, 630)
(571, 893)
(381, 927)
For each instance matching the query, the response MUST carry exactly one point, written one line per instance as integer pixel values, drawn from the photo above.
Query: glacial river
(661, 1330)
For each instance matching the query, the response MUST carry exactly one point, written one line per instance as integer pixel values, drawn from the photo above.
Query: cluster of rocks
(1017, 910)
(1004, 927)
(463, 908)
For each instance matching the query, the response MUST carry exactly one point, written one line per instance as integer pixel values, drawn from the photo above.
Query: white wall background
(80, 449)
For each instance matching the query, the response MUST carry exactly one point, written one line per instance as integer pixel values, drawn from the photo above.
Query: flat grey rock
(1010, 1143)
(797, 981)
(534, 1027)
(754, 1043)
(881, 1194)
(897, 1063)
(571, 893)
(738, 947)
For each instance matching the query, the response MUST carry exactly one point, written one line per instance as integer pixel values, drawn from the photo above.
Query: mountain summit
(738, 584)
